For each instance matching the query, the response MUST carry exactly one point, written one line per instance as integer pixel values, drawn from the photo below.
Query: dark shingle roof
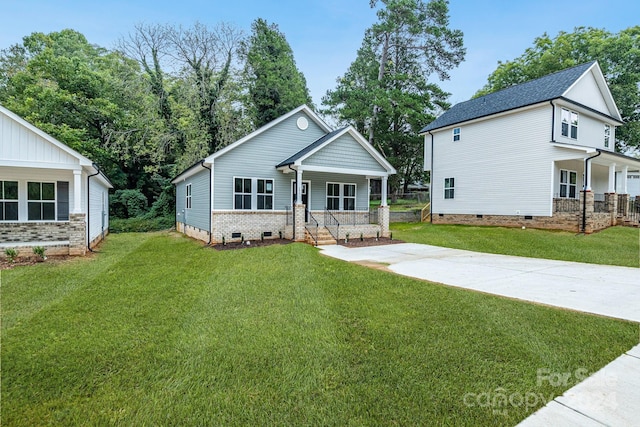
(291, 160)
(532, 92)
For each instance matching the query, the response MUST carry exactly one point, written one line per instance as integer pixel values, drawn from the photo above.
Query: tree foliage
(618, 56)
(387, 93)
(275, 84)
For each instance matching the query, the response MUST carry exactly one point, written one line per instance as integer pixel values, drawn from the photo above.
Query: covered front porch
(592, 188)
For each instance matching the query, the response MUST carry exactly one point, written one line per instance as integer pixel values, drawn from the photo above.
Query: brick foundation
(250, 224)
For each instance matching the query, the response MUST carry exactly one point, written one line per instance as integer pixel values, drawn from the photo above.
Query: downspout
(211, 196)
(431, 183)
(553, 121)
(293, 205)
(584, 192)
(89, 207)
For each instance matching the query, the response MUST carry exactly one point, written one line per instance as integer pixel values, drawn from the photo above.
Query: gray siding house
(294, 177)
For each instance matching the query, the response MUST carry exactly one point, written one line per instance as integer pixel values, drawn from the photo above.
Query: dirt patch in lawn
(250, 244)
(5, 264)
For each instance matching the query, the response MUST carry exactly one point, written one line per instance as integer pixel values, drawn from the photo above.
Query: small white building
(50, 195)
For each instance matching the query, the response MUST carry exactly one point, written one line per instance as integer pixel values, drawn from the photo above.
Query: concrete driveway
(599, 289)
(611, 396)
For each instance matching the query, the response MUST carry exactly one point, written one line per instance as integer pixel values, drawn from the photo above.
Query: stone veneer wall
(50, 235)
(559, 221)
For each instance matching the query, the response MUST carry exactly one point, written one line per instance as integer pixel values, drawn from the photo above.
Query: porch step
(324, 237)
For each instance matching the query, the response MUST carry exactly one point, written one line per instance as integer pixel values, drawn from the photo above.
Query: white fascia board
(345, 171)
(308, 111)
(40, 165)
(360, 140)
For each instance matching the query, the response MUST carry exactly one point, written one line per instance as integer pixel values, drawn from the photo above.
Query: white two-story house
(539, 154)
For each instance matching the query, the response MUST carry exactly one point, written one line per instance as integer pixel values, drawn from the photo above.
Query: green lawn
(157, 330)
(613, 246)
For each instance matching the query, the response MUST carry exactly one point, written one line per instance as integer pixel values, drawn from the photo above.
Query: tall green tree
(387, 93)
(618, 56)
(276, 86)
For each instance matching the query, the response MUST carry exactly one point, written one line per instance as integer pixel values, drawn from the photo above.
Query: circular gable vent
(302, 123)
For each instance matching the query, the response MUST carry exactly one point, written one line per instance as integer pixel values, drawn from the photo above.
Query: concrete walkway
(609, 397)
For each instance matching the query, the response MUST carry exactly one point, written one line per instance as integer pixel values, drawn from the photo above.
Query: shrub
(11, 254)
(131, 225)
(39, 251)
(128, 204)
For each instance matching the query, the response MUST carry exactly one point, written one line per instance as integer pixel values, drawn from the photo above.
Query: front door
(305, 196)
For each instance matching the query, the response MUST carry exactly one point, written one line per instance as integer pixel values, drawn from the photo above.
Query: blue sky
(325, 34)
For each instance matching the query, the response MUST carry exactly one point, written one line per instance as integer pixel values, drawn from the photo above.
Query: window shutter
(63, 201)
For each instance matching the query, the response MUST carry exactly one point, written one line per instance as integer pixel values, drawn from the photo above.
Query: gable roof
(543, 89)
(330, 137)
(82, 160)
(303, 108)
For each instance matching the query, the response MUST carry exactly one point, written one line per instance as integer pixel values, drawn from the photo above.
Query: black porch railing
(353, 217)
(312, 226)
(332, 224)
(600, 203)
(566, 205)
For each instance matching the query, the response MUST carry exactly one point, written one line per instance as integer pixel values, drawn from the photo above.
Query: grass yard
(613, 246)
(157, 330)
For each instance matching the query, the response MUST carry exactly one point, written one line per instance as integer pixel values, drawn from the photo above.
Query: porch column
(587, 184)
(625, 172)
(383, 197)
(612, 178)
(77, 191)
(298, 186)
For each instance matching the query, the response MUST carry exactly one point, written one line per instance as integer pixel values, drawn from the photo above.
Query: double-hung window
(568, 184)
(449, 188)
(265, 194)
(341, 196)
(253, 193)
(188, 197)
(242, 193)
(333, 196)
(41, 201)
(569, 123)
(456, 134)
(607, 135)
(8, 200)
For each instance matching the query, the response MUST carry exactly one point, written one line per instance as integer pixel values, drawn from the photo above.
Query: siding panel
(199, 214)
(346, 152)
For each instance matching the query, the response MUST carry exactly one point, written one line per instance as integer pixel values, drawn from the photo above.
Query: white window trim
(188, 203)
(607, 135)
(568, 184)
(445, 188)
(570, 125)
(341, 195)
(254, 194)
(272, 194)
(54, 201)
(458, 134)
(3, 200)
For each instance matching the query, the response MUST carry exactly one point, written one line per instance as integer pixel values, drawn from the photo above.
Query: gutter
(584, 199)
(89, 207)
(211, 196)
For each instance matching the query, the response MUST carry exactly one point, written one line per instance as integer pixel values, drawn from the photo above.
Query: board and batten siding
(501, 166)
(18, 143)
(98, 208)
(319, 180)
(199, 214)
(346, 152)
(258, 157)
